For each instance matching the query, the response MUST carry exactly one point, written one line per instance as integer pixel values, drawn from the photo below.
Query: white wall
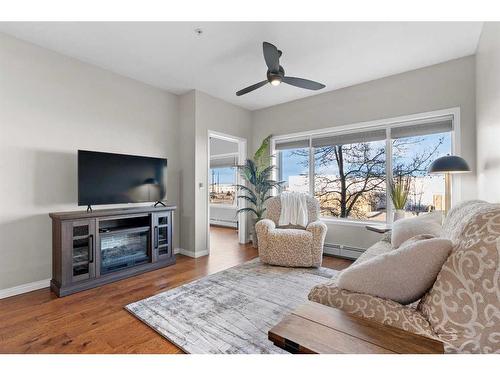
(224, 216)
(51, 106)
(446, 85)
(488, 112)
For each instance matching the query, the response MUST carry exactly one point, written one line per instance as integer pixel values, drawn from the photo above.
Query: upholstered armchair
(291, 246)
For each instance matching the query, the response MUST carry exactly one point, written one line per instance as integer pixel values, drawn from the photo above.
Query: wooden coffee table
(315, 328)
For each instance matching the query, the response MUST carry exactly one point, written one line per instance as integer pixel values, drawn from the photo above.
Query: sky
(225, 175)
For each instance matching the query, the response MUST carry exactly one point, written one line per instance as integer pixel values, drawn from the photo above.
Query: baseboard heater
(343, 251)
(224, 223)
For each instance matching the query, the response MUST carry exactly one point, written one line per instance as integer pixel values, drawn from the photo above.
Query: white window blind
(426, 127)
(223, 162)
(289, 144)
(349, 138)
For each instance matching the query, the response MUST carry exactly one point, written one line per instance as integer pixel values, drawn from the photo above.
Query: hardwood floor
(95, 321)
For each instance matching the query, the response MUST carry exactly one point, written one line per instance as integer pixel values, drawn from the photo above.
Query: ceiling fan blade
(272, 56)
(248, 89)
(303, 83)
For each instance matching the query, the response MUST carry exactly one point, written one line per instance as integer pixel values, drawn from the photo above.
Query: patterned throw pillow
(402, 275)
(463, 306)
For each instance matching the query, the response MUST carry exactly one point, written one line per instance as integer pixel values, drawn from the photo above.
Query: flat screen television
(106, 178)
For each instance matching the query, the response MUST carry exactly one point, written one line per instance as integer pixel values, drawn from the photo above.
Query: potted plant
(399, 196)
(257, 174)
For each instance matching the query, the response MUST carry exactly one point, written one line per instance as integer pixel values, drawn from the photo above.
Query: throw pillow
(463, 305)
(403, 275)
(405, 229)
(417, 238)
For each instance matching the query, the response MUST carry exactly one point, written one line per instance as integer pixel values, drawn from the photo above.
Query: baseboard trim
(24, 288)
(191, 253)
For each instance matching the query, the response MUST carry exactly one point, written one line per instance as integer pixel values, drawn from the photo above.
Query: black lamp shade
(449, 164)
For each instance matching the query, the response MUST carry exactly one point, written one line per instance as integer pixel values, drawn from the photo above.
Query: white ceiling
(228, 55)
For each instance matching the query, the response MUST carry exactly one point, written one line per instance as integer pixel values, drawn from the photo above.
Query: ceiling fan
(276, 73)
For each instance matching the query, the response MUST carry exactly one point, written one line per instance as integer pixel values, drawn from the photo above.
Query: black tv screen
(106, 178)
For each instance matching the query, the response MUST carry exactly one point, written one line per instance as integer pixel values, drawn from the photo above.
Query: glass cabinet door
(161, 235)
(82, 256)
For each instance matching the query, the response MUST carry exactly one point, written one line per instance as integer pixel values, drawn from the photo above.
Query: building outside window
(295, 169)
(350, 171)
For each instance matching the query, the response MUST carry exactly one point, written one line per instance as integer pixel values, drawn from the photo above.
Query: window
(350, 171)
(350, 174)
(293, 165)
(222, 181)
(413, 150)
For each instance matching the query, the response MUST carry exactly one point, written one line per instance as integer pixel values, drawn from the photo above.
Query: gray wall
(216, 115)
(187, 123)
(451, 84)
(199, 114)
(51, 106)
(488, 112)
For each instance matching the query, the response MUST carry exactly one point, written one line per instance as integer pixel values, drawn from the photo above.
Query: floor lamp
(448, 165)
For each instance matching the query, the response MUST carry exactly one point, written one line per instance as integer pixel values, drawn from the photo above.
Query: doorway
(226, 228)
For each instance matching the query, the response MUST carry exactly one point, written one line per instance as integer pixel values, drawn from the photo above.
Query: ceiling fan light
(275, 81)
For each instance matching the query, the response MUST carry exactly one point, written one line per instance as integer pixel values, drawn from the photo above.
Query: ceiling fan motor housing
(276, 76)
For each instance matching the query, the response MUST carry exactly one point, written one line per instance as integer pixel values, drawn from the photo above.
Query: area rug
(230, 311)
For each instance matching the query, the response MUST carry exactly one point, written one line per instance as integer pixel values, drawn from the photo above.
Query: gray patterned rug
(229, 311)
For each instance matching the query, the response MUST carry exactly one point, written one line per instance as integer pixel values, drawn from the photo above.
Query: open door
(225, 154)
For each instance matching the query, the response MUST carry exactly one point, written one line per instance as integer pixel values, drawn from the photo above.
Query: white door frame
(242, 155)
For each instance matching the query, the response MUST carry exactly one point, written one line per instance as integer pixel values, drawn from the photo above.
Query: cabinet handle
(91, 248)
(156, 237)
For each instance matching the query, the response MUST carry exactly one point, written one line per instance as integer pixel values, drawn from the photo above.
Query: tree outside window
(411, 158)
(349, 180)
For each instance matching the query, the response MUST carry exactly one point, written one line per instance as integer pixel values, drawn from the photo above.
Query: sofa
(291, 246)
(462, 308)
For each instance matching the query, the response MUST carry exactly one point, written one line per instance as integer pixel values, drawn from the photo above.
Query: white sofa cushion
(403, 275)
(405, 229)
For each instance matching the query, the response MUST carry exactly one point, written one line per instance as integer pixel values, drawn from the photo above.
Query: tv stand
(89, 208)
(95, 247)
(160, 203)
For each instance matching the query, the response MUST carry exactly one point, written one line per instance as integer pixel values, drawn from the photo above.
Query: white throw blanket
(293, 209)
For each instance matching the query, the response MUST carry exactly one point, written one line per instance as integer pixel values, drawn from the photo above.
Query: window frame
(386, 124)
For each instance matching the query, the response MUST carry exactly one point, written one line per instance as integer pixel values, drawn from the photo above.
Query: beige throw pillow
(402, 275)
(405, 229)
(417, 238)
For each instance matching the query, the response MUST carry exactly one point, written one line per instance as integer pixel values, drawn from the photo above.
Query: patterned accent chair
(462, 308)
(291, 246)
